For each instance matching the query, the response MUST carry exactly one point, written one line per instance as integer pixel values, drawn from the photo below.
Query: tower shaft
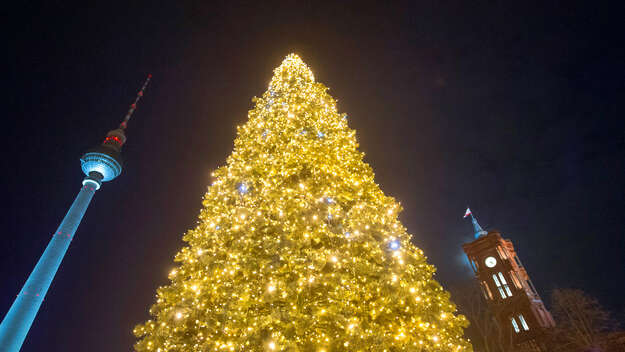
(21, 315)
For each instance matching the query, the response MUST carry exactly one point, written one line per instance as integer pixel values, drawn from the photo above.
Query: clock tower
(507, 288)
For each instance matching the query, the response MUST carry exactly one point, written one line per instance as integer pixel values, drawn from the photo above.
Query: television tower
(100, 164)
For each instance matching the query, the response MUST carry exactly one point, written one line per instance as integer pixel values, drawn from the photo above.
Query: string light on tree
(243, 188)
(394, 245)
(302, 262)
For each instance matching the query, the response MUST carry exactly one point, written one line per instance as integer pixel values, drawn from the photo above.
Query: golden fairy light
(297, 248)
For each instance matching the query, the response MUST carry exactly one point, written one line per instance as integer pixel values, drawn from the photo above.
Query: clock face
(490, 262)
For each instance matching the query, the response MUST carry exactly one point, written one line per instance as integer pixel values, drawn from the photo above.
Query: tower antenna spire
(133, 106)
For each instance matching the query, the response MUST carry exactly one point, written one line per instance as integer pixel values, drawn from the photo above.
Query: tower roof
(477, 229)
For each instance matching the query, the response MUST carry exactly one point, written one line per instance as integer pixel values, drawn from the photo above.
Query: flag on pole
(467, 213)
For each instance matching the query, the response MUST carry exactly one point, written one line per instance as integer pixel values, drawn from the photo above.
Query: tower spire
(116, 138)
(477, 229)
(133, 106)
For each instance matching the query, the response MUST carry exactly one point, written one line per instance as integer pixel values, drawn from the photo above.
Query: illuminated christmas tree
(297, 248)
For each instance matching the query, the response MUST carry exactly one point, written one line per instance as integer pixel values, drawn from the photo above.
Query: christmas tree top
(297, 248)
(291, 69)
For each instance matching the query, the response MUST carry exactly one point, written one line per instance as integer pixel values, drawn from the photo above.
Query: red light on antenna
(134, 106)
(150, 75)
(140, 94)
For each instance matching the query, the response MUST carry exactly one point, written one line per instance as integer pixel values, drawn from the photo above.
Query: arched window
(502, 285)
(486, 290)
(515, 279)
(502, 252)
(515, 325)
(523, 322)
(473, 264)
(505, 284)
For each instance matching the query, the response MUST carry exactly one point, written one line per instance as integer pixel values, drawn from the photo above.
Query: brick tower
(507, 288)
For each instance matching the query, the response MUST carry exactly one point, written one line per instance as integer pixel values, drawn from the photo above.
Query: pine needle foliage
(297, 248)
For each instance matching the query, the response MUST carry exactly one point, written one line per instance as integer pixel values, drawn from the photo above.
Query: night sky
(513, 109)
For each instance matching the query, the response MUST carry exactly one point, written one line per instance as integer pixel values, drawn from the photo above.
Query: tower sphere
(104, 162)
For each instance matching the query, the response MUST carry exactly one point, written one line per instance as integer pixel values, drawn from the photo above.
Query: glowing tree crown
(297, 248)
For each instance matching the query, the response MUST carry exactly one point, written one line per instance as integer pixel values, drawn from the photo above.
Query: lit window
(523, 322)
(502, 252)
(502, 286)
(515, 279)
(505, 285)
(515, 325)
(501, 291)
(486, 290)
